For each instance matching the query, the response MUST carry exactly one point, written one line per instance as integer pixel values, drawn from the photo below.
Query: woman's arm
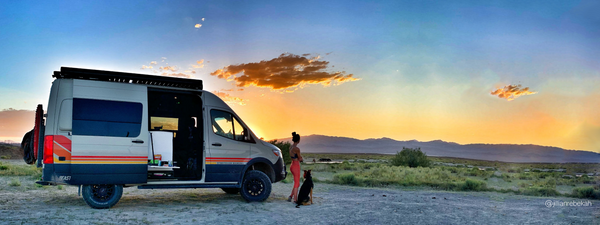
(299, 156)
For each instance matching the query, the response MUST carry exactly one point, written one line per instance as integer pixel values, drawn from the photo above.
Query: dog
(305, 190)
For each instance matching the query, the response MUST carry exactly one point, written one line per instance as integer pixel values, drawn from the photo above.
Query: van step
(167, 186)
(43, 182)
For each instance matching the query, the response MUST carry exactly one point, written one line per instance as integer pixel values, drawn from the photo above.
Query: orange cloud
(283, 72)
(198, 25)
(229, 99)
(146, 67)
(512, 92)
(153, 63)
(171, 68)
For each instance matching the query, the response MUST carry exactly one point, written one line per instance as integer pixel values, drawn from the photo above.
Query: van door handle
(138, 141)
(216, 144)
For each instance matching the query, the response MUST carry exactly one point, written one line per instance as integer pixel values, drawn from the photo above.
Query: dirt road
(334, 204)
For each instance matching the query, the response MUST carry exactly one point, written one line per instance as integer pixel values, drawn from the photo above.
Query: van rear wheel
(256, 186)
(102, 196)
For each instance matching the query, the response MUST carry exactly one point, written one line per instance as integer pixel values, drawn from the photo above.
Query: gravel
(333, 204)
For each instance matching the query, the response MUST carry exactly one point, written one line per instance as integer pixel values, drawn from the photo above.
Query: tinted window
(106, 118)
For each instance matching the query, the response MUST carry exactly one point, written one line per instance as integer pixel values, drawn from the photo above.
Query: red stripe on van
(116, 157)
(228, 158)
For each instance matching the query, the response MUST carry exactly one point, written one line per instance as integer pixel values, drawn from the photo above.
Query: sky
(500, 72)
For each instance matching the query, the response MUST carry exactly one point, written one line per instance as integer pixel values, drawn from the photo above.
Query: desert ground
(333, 204)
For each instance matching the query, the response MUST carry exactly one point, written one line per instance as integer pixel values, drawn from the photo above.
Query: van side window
(222, 123)
(226, 125)
(106, 118)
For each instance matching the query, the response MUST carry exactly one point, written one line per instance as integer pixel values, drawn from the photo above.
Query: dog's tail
(298, 206)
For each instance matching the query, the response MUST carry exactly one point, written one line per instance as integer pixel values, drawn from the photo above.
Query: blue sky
(428, 61)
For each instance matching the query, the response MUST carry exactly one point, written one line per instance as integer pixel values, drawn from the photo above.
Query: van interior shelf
(161, 168)
(102, 75)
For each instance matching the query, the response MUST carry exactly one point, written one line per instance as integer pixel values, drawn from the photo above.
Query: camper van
(104, 131)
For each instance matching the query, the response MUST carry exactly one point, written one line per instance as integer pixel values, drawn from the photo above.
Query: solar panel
(120, 77)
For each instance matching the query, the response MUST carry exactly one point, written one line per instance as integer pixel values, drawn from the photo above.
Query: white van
(107, 130)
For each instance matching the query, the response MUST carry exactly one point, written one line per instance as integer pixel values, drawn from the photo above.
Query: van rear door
(109, 133)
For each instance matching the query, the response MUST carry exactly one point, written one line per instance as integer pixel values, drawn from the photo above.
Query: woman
(295, 166)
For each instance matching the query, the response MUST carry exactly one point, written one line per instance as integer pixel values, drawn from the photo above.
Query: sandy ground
(334, 204)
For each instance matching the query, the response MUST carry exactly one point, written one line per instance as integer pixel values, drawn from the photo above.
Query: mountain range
(491, 152)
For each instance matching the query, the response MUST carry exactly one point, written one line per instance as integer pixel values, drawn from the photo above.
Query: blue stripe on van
(100, 173)
(223, 173)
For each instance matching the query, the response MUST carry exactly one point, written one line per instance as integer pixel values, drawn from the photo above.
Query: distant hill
(492, 152)
(10, 151)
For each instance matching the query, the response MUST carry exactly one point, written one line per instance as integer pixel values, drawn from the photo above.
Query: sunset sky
(514, 72)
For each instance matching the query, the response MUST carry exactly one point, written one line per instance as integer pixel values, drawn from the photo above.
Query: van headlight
(277, 153)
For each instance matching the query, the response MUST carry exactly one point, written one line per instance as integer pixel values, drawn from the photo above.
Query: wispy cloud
(288, 71)
(199, 64)
(229, 99)
(511, 92)
(146, 67)
(183, 75)
(153, 63)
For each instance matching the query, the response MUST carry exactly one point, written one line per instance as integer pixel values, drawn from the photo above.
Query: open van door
(109, 133)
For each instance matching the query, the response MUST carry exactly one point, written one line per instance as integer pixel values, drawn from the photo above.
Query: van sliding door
(110, 133)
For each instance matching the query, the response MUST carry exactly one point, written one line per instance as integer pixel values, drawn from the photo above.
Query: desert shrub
(15, 182)
(540, 191)
(285, 150)
(474, 185)
(347, 178)
(411, 157)
(454, 170)
(506, 177)
(550, 183)
(525, 176)
(20, 170)
(586, 192)
(345, 165)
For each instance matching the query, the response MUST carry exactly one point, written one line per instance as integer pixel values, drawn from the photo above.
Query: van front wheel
(102, 196)
(256, 186)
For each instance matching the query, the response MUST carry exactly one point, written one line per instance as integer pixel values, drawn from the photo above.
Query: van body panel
(109, 151)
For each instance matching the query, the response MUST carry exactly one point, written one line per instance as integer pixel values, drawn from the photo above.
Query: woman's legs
(295, 169)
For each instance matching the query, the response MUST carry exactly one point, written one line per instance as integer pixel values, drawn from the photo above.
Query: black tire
(102, 196)
(27, 146)
(256, 186)
(231, 190)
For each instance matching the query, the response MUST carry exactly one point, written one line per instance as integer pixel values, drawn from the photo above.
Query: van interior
(178, 112)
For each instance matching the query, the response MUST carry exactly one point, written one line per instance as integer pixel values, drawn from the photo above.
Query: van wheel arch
(262, 165)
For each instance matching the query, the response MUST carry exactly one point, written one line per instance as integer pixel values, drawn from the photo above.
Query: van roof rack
(102, 75)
